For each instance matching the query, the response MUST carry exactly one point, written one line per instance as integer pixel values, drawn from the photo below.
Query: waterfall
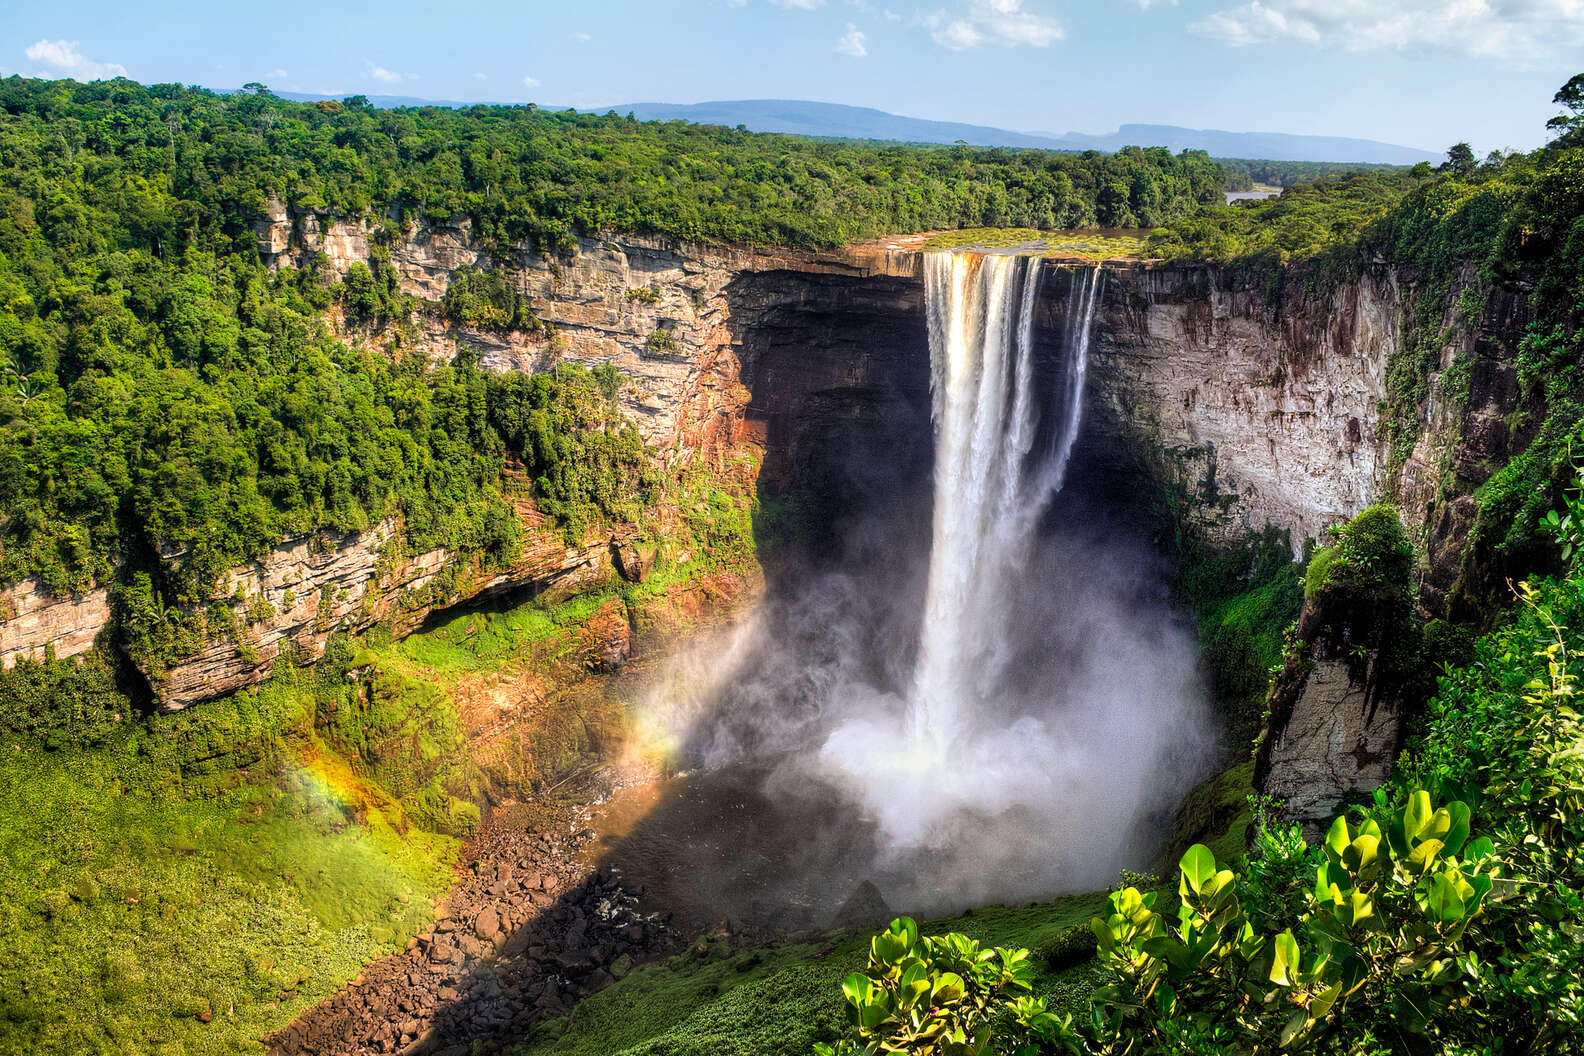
(991, 485)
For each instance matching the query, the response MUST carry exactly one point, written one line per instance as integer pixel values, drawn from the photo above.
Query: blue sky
(1425, 73)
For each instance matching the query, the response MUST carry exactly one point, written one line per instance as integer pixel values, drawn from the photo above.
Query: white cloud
(1147, 4)
(384, 76)
(531, 82)
(63, 57)
(801, 5)
(853, 42)
(480, 77)
(890, 15)
(999, 23)
(278, 74)
(582, 38)
(736, 3)
(1510, 30)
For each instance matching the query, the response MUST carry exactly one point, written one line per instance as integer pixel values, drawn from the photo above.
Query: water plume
(1027, 728)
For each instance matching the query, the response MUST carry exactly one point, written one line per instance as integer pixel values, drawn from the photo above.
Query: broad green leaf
(1354, 909)
(1198, 867)
(1285, 964)
(949, 986)
(1416, 815)
(1458, 833)
(1424, 855)
(1337, 839)
(1360, 855)
(1293, 1028)
(1322, 1004)
(1442, 901)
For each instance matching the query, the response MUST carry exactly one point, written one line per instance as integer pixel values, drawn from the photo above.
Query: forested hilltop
(526, 174)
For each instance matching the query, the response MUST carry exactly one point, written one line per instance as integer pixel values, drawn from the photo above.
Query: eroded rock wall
(310, 586)
(1265, 411)
(804, 338)
(35, 622)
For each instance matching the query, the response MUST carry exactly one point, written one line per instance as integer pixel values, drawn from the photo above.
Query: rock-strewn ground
(528, 930)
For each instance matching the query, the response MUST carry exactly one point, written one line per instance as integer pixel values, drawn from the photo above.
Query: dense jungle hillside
(167, 390)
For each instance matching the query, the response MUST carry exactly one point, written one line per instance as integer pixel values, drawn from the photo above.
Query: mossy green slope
(773, 1001)
(191, 920)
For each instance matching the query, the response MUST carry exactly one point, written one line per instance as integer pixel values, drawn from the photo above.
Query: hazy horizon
(1420, 73)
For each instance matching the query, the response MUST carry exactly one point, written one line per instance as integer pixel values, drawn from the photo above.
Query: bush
(1371, 560)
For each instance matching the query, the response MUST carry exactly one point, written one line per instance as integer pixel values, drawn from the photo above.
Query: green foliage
(487, 299)
(1361, 593)
(585, 459)
(1244, 597)
(1305, 221)
(195, 402)
(778, 1000)
(1096, 245)
(941, 995)
(1506, 727)
(1381, 935)
(1380, 942)
(1370, 561)
(524, 174)
(1456, 379)
(218, 864)
(63, 704)
(1242, 174)
(662, 343)
(1277, 867)
(1567, 526)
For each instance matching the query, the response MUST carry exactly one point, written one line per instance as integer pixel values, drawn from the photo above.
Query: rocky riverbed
(532, 925)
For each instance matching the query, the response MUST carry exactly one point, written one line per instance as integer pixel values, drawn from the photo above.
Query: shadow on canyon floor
(557, 901)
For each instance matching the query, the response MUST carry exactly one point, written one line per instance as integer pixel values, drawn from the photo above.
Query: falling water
(991, 485)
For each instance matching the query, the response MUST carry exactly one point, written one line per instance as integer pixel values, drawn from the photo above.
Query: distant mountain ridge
(807, 118)
(859, 122)
(1268, 146)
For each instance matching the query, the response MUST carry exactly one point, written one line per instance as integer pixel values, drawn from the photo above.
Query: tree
(1460, 159)
(1569, 126)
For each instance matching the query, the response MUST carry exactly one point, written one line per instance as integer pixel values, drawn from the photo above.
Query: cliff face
(793, 367)
(33, 621)
(773, 353)
(1263, 412)
(1471, 429)
(293, 598)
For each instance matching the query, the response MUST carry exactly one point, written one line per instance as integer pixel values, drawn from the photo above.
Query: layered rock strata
(796, 367)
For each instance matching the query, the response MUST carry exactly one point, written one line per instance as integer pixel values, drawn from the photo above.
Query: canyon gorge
(1250, 406)
(1215, 401)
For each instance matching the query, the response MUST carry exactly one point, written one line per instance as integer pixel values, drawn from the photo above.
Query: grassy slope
(128, 912)
(247, 857)
(774, 1001)
(1093, 245)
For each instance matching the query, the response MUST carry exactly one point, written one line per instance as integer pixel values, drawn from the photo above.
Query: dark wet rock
(864, 908)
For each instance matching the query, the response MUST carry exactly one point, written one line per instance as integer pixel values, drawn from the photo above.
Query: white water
(1023, 734)
(991, 487)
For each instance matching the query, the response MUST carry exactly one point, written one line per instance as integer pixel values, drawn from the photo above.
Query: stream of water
(991, 485)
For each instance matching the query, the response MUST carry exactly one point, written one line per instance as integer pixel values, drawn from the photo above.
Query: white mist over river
(1020, 731)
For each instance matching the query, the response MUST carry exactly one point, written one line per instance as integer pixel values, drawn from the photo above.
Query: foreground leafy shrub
(1382, 932)
(942, 994)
